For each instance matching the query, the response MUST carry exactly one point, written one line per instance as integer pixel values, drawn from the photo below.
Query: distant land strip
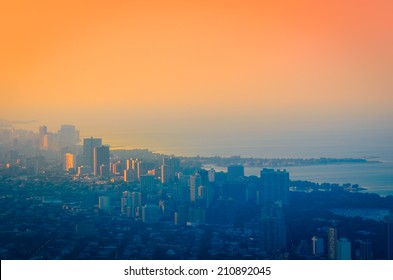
(275, 162)
(221, 161)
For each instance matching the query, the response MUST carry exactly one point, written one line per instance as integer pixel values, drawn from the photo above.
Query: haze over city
(196, 130)
(183, 76)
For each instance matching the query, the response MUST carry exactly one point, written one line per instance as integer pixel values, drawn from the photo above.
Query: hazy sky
(180, 76)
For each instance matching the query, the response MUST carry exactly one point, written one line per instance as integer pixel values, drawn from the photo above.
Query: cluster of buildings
(162, 191)
(230, 215)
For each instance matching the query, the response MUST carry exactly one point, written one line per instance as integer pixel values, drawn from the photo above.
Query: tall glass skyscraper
(101, 161)
(88, 151)
(275, 186)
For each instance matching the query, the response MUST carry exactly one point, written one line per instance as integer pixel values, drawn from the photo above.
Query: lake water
(376, 177)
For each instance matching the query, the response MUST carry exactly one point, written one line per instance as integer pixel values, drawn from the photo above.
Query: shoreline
(278, 162)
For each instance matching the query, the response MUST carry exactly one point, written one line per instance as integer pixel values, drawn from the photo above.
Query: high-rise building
(35, 164)
(235, 172)
(205, 194)
(332, 243)
(133, 163)
(136, 203)
(236, 191)
(128, 164)
(273, 230)
(68, 136)
(167, 174)
(116, 167)
(101, 161)
(169, 167)
(69, 161)
(318, 246)
(148, 183)
(131, 203)
(124, 206)
(181, 215)
(88, 151)
(43, 137)
(150, 213)
(129, 175)
(204, 176)
(53, 141)
(194, 183)
(141, 168)
(275, 186)
(343, 249)
(211, 175)
(82, 170)
(365, 250)
(104, 203)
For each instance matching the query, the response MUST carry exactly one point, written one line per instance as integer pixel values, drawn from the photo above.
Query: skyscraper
(68, 136)
(141, 168)
(150, 213)
(101, 161)
(148, 183)
(129, 175)
(43, 137)
(332, 243)
(104, 203)
(275, 186)
(69, 161)
(273, 230)
(168, 168)
(136, 203)
(343, 249)
(88, 151)
(235, 172)
(365, 250)
(318, 247)
(212, 175)
(195, 182)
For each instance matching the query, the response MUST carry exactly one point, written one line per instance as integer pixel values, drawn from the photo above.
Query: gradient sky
(181, 76)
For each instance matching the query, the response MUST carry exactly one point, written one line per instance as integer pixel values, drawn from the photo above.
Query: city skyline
(57, 207)
(196, 130)
(310, 148)
(165, 74)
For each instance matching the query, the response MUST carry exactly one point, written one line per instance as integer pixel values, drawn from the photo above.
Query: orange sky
(163, 73)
